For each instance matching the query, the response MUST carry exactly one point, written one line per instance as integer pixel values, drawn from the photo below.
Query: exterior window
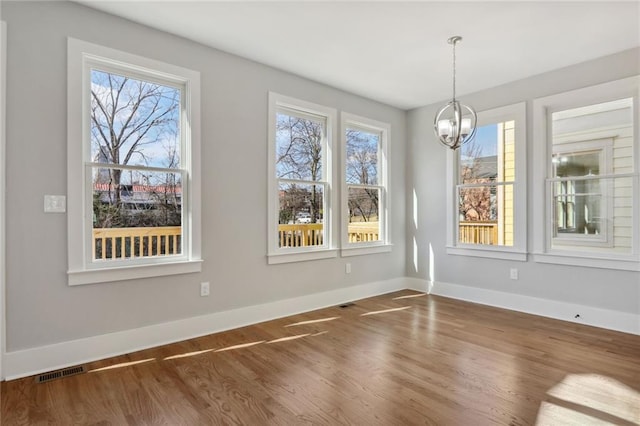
(590, 177)
(485, 189)
(581, 197)
(364, 190)
(300, 163)
(588, 212)
(487, 211)
(136, 166)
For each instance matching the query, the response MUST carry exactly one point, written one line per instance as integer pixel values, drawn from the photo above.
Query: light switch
(55, 204)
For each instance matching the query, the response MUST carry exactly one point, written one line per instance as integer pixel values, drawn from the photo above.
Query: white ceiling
(397, 52)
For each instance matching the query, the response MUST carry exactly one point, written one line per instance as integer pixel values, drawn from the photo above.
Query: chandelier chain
(454, 70)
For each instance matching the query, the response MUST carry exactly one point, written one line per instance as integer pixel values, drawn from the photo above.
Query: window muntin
(590, 177)
(364, 185)
(486, 174)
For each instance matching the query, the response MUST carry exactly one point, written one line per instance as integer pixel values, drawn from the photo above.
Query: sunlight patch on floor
(240, 346)
(121, 365)
(312, 321)
(410, 296)
(590, 399)
(384, 311)
(286, 339)
(187, 354)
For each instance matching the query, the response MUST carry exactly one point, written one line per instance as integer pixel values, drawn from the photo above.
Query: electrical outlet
(513, 273)
(347, 268)
(204, 289)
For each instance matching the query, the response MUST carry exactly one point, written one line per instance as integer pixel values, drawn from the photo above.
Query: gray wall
(603, 288)
(41, 308)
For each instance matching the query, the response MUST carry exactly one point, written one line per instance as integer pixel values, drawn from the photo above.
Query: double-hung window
(133, 151)
(587, 157)
(300, 180)
(365, 186)
(486, 204)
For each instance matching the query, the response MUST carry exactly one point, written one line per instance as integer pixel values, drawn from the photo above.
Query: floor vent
(347, 305)
(58, 374)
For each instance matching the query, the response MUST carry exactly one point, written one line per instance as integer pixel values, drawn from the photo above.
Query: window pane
(486, 215)
(594, 212)
(301, 214)
(362, 156)
(136, 213)
(490, 156)
(486, 212)
(579, 207)
(586, 163)
(299, 147)
(134, 122)
(364, 223)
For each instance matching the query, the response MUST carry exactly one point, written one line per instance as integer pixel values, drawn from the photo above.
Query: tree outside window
(135, 154)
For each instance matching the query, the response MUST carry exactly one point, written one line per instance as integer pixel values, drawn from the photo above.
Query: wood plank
(402, 358)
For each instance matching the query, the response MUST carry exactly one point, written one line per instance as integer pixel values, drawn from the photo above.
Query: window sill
(363, 249)
(122, 273)
(623, 262)
(491, 253)
(277, 258)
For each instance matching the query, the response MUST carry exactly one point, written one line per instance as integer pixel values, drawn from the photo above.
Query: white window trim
(518, 251)
(81, 269)
(383, 245)
(275, 254)
(542, 108)
(3, 163)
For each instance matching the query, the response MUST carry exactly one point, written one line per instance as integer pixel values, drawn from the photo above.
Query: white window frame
(604, 147)
(517, 252)
(348, 120)
(3, 163)
(542, 151)
(81, 57)
(276, 254)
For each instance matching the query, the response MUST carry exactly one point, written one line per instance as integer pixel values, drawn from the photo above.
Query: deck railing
(122, 243)
(311, 234)
(363, 232)
(478, 232)
(300, 235)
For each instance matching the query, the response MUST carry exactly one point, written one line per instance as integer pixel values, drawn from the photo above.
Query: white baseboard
(596, 317)
(32, 361)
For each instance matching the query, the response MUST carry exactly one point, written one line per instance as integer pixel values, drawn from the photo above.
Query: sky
(487, 137)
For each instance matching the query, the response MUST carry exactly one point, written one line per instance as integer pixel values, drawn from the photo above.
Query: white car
(303, 218)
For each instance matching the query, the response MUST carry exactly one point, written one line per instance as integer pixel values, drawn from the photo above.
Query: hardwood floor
(402, 358)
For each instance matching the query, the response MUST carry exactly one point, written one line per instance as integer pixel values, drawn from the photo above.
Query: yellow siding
(509, 176)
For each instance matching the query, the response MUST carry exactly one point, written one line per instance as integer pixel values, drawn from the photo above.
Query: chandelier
(455, 123)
